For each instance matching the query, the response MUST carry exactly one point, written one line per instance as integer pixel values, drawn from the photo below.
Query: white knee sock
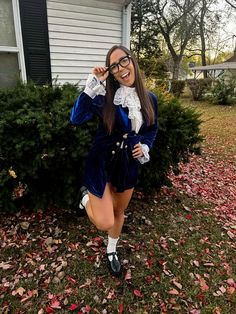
(85, 200)
(111, 246)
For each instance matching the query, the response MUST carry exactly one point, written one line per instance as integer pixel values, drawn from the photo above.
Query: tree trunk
(139, 32)
(202, 36)
(176, 66)
(176, 22)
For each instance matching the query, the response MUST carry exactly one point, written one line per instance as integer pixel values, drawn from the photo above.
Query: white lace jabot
(128, 97)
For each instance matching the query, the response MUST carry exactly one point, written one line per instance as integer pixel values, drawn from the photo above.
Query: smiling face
(125, 76)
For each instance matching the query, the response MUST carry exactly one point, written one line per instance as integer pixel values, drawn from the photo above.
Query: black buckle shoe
(114, 265)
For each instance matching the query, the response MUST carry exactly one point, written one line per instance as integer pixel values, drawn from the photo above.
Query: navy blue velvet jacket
(110, 158)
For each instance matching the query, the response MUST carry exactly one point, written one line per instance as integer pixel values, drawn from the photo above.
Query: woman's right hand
(100, 73)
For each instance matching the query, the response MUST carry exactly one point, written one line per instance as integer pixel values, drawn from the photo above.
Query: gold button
(125, 135)
(126, 146)
(118, 144)
(113, 152)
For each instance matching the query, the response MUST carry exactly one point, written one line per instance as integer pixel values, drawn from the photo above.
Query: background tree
(202, 33)
(188, 28)
(208, 22)
(144, 34)
(145, 40)
(177, 20)
(232, 3)
(214, 38)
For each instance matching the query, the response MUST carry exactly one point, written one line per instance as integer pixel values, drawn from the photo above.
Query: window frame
(19, 49)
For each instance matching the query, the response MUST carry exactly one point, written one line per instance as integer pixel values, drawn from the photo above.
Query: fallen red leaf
(189, 216)
(69, 278)
(214, 181)
(138, 293)
(128, 275)
(121, 308)
(230, 290)
(230, 281)
(55, 304)
(203, 285)
(73, 307)
(149, 279)
(87, 309)
(200, 296)
(173, 292)
(149, 263)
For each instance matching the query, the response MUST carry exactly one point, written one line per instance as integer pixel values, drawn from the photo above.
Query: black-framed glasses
(123, 62)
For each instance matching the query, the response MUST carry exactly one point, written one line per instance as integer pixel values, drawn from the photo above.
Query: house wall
(80, 33)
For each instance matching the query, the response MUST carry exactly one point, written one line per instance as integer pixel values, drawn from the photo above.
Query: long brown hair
(112, 85)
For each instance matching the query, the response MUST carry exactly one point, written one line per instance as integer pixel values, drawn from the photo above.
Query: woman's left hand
(137, 151)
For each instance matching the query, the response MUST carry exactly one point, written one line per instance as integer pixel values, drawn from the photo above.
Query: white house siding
(80, 33)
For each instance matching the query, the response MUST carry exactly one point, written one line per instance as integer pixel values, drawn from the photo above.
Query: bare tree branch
(192, 55)
(233, 5)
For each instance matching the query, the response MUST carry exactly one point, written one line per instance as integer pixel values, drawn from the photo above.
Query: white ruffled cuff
(94, 87)
(146, 157)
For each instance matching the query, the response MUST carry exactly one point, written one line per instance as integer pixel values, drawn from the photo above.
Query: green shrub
(42, 155)
(39, 144)
(153, 67)
(178, 137)
(199, 87)
(223, 92)
(177, 87)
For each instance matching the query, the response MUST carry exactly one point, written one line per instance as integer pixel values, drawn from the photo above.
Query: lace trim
(128, 97)
(146, 157)
(94, 87)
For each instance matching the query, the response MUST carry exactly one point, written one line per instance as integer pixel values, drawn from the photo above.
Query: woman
(126, 132)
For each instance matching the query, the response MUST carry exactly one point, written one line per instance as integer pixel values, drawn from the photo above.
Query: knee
(105, 225)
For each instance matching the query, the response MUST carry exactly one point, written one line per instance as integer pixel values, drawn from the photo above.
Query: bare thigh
(110, 205)
(121, 199)
(102, 209)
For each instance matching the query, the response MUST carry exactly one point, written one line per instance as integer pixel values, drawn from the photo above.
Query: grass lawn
(178, 248)
(219, 127)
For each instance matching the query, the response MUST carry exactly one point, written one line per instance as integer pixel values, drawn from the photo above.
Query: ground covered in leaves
(177, 248)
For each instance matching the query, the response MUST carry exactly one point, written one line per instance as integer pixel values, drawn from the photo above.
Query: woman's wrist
(94, 86)
(145, 157)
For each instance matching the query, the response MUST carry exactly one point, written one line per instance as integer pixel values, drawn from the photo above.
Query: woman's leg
(100, 210)
(107, 214)
(120, 203)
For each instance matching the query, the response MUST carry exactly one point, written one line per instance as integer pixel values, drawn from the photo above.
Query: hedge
(42, 155)
(198, 87)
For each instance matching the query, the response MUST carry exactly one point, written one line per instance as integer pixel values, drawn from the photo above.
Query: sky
(229, 31)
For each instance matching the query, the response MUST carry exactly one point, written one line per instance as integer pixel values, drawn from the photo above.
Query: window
(12, 65)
